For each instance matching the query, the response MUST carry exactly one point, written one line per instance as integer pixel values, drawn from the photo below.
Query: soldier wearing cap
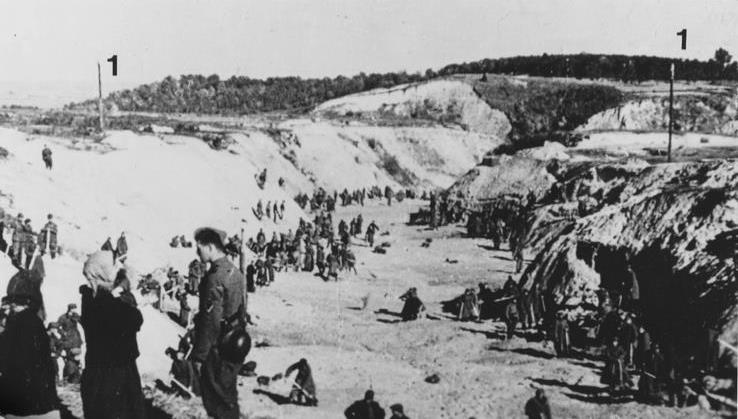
(67, 323)
(47, 238)
(222, 301)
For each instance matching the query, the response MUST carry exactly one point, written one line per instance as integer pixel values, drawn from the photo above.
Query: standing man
(47, 238)
(46, 156)
(67, 323)
(221, 307)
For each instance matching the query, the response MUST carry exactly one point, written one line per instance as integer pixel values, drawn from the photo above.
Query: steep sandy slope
(439, 100)
(357, 155)
(711, 114)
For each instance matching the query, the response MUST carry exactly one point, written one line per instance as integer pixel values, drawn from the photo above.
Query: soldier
(29, 242)
(46, 156)
(67, 322)
(221, 311)
(16, 249)
(47, 238)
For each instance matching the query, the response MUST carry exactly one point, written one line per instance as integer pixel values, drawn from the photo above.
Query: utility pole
(99, 98)
(671, 107)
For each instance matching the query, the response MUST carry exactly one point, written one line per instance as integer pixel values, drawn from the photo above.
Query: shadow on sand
(276, 398)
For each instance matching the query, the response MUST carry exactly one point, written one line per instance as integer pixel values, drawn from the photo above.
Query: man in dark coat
(537, 406)
(28, 371)
(221, 301)
(303, 392)
(68, 328)
(365, 409)
(111, 384)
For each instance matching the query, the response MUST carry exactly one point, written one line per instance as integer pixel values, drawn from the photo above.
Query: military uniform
(221, 298)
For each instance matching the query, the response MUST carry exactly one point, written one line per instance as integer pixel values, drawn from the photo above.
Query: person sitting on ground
(303, 390)
(183, 371)
(413, 306)
(537, 406)
(366, 408)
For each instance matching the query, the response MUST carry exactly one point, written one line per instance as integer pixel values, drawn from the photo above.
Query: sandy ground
(351, 349)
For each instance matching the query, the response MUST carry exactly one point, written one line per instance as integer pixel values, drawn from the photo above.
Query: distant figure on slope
(371, 230)
(46, 156)
(413, 306)
(365, 409)
(388, 194)
(121, 248)
(537, 406)
(561, 339)
(303, 390)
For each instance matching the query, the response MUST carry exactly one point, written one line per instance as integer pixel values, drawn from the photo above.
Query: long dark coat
(111, 384)
(28, 384)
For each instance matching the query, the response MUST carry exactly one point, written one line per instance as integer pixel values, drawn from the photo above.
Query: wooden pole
(99, 98)
(671, 107)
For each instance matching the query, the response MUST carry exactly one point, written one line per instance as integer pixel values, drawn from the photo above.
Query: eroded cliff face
(666, 223)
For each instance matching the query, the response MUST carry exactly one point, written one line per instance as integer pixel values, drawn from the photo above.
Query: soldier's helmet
(236, 344)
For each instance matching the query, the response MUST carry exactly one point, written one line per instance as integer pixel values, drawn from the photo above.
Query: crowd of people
(25, 241)
(321, 199)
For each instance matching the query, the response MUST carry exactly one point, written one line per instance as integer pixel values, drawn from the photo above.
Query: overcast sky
(62, 40)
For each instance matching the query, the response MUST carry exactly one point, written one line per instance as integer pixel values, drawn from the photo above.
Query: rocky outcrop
(663, 222)
(707, 114)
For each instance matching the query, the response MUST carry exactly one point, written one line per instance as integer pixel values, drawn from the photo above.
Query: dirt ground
(350, 333)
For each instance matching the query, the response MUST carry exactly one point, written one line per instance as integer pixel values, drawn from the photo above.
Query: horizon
(44, 40)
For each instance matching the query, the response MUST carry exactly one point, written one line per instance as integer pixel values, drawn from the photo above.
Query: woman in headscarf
(111, 385)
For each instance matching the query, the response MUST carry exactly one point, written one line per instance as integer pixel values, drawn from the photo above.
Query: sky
(61, 41)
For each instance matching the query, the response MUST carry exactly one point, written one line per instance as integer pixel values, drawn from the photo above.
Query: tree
(723, 57)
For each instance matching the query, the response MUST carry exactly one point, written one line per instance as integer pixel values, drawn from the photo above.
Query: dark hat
(52, 325)
(20, 215)
(71, 306)
(50, 216)
(219, 233)
(397, 407)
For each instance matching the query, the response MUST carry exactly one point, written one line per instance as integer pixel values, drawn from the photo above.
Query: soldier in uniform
(47, 238)
(221, 303)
